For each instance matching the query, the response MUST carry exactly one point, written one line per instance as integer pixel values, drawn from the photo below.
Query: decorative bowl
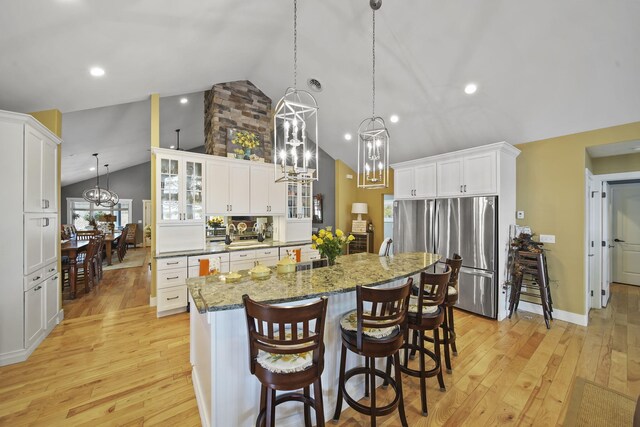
(286, 265)
(230, 277)
(260, 272)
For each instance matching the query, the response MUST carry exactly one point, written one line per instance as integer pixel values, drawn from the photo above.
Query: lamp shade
(359, 208)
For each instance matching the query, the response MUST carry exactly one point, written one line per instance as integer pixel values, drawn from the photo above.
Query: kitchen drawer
(242, 256)
(269, 262)
(175, 262)
(173, 277)
(30, 280)
(194, 271)
(308, 249)
(308, 256)
(195, 260)
(172, 298)
(267, 253)
(242, 265)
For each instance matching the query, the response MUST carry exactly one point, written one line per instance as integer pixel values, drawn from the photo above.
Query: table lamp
(359, 225)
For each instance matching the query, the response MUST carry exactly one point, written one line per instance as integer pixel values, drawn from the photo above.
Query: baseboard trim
(567, 316)
(153, 301)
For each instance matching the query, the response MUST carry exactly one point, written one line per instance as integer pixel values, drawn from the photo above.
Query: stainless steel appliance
(467, 226)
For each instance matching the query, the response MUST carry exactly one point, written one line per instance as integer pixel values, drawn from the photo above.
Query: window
(388, 216)
(79, 212)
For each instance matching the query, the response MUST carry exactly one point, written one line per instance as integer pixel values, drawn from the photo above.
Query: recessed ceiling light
(96, 71)
(92, 169)
(183, 100)
(172, 147)
(394, 118)
(470, 88)
(347, 136)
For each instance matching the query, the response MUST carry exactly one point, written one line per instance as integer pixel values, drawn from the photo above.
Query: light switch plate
(547, 238)
(520, 214)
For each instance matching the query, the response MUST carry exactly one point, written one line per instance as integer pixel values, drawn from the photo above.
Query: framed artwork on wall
(317, 209)
(245, 144)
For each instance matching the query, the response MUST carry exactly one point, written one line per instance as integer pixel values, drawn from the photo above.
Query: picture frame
(317, 209)
(236, 150)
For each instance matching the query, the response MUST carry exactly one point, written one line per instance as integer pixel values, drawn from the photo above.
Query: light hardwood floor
(114, 363)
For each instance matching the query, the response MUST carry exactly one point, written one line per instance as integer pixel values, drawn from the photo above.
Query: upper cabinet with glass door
(299, 201)
(180, 188)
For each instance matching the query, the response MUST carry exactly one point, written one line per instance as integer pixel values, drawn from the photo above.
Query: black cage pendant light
(114, 199)
(96, 195)
(373, 136)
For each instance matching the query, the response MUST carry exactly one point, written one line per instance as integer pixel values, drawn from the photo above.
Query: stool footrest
(363, 409)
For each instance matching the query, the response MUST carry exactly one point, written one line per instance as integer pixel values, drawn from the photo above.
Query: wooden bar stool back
(376, 328)
(451, 298)
(426, 313)
(286, 352)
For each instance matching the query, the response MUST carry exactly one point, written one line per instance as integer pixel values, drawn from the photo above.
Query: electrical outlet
(547, 238)
(520, 214)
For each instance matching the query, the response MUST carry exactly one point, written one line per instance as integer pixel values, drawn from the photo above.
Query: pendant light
(295, 128)
(373, 136)
(114, 199)
(96, 195)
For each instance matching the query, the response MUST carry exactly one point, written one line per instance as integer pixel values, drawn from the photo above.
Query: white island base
(227, 393)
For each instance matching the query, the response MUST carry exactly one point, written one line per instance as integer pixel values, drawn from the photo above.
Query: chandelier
(96, 195)
(373, 136)
(295, 128)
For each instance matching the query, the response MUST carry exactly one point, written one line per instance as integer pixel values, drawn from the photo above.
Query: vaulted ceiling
(543, 68)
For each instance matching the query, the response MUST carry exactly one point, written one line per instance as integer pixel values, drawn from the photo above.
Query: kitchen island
(227, 393)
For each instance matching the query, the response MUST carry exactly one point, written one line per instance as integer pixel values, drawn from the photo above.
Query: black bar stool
(376, 328)
(286, 352)
(426, 313)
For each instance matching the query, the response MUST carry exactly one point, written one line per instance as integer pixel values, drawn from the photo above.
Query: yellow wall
(616, 164)
(550, 189)
(155, 142)
(348, 193)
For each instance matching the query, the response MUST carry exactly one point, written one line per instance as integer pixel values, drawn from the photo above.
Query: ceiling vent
(314, 85)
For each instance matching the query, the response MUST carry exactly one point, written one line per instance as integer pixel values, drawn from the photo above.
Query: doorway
(146, 220)
(626, 233)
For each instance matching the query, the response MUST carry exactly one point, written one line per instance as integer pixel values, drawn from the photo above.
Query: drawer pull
(172, 278)
(37, 288)
(169, 299)
(36, 278)
(242, 256)
(173, 263)
(52, 269)
(55, 278)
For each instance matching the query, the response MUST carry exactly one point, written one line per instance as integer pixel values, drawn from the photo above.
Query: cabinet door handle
(36, 278)
(52, 269)
(37, 288)
(461, 188)
(173, 278)
(169, 299)
(231, 208)
(44, 203)
(465, 188)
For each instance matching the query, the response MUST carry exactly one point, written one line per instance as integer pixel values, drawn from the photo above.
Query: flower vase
(247, 153)
(331, 260)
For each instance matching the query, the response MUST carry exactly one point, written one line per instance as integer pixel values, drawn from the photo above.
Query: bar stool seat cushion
(427, 310)
(451, 290)
(285, 363)
(349, 323)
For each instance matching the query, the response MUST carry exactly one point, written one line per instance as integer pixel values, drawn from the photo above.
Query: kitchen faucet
(228, 239)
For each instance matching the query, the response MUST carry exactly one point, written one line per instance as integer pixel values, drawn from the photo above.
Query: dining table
(71, 248)
(109, 239)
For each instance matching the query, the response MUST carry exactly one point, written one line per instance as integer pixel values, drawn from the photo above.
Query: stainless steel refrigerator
(467, 226)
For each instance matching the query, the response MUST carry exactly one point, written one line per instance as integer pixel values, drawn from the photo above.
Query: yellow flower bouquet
(330, 245)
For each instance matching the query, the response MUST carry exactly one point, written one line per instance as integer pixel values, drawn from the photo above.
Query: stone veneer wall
(238, 105)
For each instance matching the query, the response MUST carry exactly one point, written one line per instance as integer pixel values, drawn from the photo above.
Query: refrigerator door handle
(476, 272)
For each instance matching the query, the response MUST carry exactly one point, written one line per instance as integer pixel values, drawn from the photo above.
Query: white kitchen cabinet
(415, 182)
(299, 201)
(228, 187)
(220, 261)
(171, 276)
(180, 188)
(41, 171)
(33, 314)
(29, 295)
(469, 175)
(267, 196)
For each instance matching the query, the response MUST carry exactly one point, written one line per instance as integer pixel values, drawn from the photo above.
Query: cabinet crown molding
(502, 147)
(30, 120)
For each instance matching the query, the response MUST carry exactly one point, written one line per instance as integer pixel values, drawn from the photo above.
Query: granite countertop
(210, 293)
(218, 248)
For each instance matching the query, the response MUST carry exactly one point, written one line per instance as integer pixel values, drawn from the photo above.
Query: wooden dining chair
(121, 247)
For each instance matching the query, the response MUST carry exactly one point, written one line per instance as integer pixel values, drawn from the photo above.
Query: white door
(217, 199)
(260, 180)
(146, 220)
(277, 196)
(33, 171)
(239, 176)
(193, 191)
(449, 180)
(626, 233)
(480, 174)
(33, 314)
(593, 259)
(607, 243)
(425, 180)
(403, 183)
(169, 190)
